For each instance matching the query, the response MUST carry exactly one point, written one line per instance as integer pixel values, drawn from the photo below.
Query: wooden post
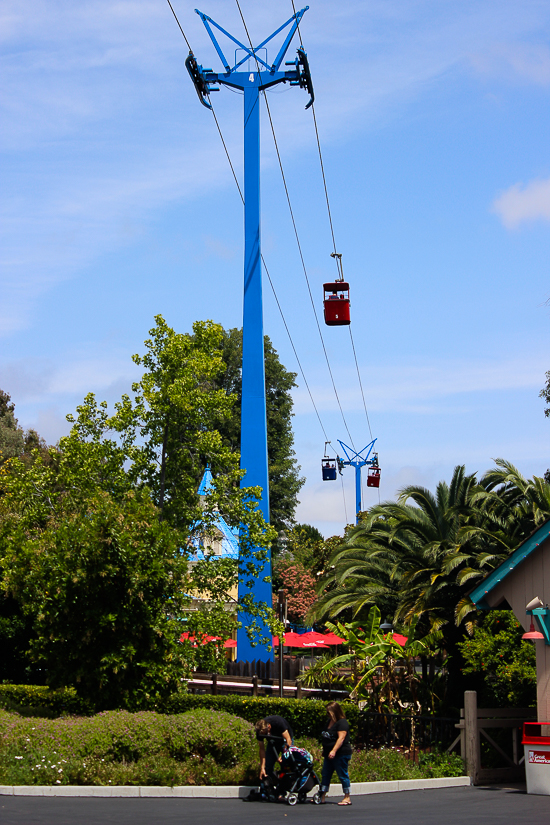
(214, 684)
(515, 749)
(255, 685)
(471, 736)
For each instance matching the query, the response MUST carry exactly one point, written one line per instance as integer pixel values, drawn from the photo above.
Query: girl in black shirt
(336, 752)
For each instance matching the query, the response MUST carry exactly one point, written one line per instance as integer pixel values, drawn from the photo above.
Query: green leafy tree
(96, 492)
(305, 544)
(101, 587)
(374, 657)
(12, 438)
(284, 479)
(499, 664)
(14, 441)
(169, 429)
(15, 626)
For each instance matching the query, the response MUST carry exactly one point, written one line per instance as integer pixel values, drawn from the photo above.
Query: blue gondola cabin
(336, 303)
(329, 469)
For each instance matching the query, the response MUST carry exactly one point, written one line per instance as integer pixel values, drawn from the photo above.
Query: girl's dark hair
(334, 708)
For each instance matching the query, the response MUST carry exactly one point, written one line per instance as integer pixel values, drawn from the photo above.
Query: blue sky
(118, 204)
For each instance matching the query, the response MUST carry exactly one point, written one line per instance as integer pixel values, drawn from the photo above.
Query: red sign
(539, 757)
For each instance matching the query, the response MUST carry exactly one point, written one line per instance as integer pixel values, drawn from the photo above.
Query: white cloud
(520, 204)
(526, 61)
(418, 389)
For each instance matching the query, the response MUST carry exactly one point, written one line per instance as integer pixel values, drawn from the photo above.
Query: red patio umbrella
(297, 640)
(313, 636)
(205, 639)
(333, 639)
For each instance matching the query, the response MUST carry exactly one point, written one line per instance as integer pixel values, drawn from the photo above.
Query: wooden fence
(218, 685)
(474, 727)
(265, 670)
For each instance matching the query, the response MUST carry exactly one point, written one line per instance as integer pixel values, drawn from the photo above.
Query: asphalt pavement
(448, 806)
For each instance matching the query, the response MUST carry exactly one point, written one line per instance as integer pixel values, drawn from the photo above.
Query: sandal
(344, 803)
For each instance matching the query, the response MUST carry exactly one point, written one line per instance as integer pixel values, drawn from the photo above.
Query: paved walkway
(449, 806)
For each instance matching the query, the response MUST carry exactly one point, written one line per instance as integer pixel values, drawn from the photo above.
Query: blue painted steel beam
(253, 406)
(358, 461)
(358, 507)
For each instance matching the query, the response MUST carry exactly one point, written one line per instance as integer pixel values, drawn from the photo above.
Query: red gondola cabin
(373, 477)
(336, 302)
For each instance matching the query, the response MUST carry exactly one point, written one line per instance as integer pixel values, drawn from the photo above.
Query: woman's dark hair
(334, 708)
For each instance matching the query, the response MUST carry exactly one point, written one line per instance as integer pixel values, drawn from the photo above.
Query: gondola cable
(269, 278)
(179, 24)
(327, 441)
(333, 235)
(296, 234)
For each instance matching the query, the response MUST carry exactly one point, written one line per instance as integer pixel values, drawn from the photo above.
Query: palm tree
(365, 569)
(417, 558)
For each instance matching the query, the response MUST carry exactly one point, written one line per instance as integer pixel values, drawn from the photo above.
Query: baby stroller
(295, 778)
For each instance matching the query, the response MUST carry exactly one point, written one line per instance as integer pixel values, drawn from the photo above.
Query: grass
(200, 747)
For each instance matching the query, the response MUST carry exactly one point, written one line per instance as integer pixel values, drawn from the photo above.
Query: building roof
(229, 536)
(478, 595)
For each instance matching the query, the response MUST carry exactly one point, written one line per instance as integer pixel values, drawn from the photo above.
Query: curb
(221, 791)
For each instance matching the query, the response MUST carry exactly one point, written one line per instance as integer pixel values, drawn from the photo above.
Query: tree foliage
(94, 535)
(417, 559)
(502, 665)
(299, 586)
(14, 441)
(101, 587)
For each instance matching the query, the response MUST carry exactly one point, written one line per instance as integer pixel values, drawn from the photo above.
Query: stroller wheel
(316, 798)
(302, 796)
(292, 798)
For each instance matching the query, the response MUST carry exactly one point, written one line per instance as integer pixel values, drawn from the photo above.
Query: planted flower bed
(201, 747)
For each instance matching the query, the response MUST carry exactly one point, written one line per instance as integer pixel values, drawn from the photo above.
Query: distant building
(218, 539)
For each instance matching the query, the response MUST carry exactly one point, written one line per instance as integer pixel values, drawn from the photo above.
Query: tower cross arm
(252, 52)
(357, 458)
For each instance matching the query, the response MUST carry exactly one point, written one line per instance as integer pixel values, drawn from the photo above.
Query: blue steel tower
(357, 460)
(255, 75)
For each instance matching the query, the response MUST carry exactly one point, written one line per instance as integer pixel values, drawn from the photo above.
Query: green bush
(126, 748)
(205, 733)
(35, 700)
(200, 747)
(305, 716)
(441, 764)
(500, 665)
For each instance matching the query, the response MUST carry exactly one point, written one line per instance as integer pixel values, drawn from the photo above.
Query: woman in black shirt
(336, 751)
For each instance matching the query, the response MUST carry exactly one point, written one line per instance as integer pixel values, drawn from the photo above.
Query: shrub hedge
(306, 716)
(199, 747)
(36, 700)
(118, 747)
